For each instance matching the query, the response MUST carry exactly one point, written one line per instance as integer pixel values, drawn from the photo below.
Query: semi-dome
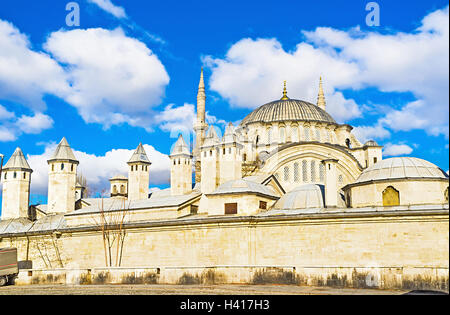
(303, 197)
(288, 110)
(401, 167)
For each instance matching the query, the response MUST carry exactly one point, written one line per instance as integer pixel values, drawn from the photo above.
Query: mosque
(288, 163)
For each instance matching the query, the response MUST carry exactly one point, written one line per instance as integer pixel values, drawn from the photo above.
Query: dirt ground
(187, 290)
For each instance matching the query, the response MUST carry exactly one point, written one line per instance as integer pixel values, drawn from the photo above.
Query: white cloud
(396, 149)
(252, 71)
(99, 169)
(115, 79)
(7, 134)
(34, 124)
(365, 133)
(5, 114)
(25, 75)
(177, 119)
(109, 7)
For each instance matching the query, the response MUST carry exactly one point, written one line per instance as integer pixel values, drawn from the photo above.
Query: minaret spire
(321, 98)
(201, 99)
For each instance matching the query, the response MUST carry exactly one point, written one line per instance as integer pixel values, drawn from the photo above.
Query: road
(187, 290)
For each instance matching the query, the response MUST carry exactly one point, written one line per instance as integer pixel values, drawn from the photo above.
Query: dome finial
(285, 97)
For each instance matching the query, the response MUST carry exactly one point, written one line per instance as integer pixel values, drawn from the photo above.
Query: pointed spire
(63, 152)
(285, 97)
(321, 98)
(180, 147)
(211, 137)
(230, 135)
(17, 161)
(139, 156)
(201, 100)
(201, 85)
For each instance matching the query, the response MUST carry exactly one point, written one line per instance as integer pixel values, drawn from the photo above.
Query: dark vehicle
(9, 268)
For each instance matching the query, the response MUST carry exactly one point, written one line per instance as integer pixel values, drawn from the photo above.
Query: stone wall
(397, 249)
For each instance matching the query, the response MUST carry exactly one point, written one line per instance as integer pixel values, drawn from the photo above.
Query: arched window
(391, 197)
(5, 175)
(321, 172)
(257, 140)
(114, 189)
(317, 134)
(294, 134)
(307, 135)
(446, 195)
(286, 173)
(122, 189)
(71, 168)
(62, 166)
(53, 167)
(313, 171)
(24, 175)
(15, 175)
(304, 171)
(244, 157)
(296, 173)
(282, 135)
(348, 143)
(327, 136)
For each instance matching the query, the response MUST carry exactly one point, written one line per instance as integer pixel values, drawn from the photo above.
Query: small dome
(401, 167)
(119, 177)
(371, 143)
(302, 197)
(288, 110)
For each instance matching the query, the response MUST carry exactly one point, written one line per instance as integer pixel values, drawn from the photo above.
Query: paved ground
(186, 289)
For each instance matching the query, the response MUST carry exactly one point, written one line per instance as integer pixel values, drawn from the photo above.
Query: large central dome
(288, 110)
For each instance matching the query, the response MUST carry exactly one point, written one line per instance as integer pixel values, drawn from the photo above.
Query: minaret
(16, 177)
(62, 179)
(180, 169)
(138, 175)
(321, 98)
(200, 127)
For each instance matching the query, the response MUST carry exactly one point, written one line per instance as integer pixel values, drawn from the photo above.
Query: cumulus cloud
(109, 77)
(98, 169)
(252, 71)
(111, 8)
(365, 133)
(12, 127)
(34, 124)
(115, 79)
(26, 75)
(391, 149)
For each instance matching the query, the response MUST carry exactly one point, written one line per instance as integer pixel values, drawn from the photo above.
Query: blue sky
(129, 74)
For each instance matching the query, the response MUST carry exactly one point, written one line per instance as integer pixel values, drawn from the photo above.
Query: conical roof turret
(230, 135)
(139, 156)
(211, 137)
(63, 152)
(17, 161)
(180, 147)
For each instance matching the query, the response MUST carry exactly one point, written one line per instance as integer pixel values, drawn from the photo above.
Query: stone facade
(287, 194)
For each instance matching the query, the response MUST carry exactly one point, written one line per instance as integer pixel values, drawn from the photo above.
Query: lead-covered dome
(288, 110)
(401, 167)
(303, 197)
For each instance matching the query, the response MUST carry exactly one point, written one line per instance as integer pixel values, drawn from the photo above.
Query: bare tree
(112, 223)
